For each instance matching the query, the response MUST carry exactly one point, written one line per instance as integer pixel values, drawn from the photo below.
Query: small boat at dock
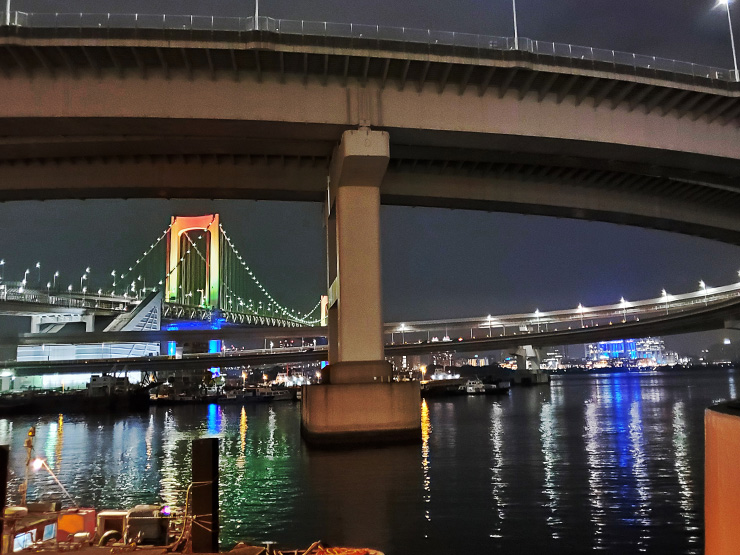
(473, 387)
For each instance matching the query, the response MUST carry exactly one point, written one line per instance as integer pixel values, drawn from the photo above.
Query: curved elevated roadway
(686, 315)
(96, 107)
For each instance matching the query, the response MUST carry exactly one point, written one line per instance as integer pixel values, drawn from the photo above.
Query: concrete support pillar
(89, 320)
(353, 245)
(528, 359)
(357, 400)
(35, 324)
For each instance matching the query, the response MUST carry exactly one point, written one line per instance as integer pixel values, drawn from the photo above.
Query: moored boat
(473, 387)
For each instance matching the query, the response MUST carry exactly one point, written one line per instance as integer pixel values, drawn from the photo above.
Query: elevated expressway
(172, 109)
(714, 308)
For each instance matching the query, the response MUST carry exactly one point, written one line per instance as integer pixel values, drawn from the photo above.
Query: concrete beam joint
(360, 160)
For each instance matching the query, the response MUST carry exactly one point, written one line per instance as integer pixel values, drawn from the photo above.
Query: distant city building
(725, 352)
(443, 358)
(475, 361)
(552, 359)
(648, 351)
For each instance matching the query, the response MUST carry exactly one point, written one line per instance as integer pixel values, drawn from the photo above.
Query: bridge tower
(208, 224)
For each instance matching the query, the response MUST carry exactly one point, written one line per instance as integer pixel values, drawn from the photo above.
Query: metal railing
(368, 36)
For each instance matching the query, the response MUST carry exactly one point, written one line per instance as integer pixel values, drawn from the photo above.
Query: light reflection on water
(426, 431)
(496, 435)
(550, 452)
(610, 463)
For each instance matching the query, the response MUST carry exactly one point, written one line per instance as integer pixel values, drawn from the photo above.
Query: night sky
(436, 263)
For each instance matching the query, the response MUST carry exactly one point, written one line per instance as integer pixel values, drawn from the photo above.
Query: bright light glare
(36, 464)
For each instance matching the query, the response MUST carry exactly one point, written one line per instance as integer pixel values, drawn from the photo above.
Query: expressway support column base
(358, 414)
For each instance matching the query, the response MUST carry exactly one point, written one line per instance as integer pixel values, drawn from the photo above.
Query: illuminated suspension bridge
(199, 271)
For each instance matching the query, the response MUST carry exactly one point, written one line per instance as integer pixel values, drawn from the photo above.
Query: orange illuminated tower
(209, 224)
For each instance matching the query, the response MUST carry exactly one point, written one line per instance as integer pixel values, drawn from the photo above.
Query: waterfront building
(646, 351)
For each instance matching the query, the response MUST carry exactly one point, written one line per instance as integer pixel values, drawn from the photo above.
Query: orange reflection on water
(60, 443)
(426, 431)
(243, 427)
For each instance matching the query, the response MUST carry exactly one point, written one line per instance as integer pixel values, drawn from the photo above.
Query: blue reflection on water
(215, 416)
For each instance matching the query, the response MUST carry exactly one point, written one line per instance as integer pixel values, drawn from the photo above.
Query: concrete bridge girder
(90, 136)
(52, 320)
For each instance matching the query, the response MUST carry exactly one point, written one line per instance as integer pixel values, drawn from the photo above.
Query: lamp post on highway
(537, 315)
(489, 325)
(54, 283)
(38, 267)
(48, 288)
(624, 309)
(516, 30)
(2, 269)
(113, 273)
(25, 275)
(256, 15)
(703, 287)
(580, 310)
(664, 296)
(726, 4)
(403, 334)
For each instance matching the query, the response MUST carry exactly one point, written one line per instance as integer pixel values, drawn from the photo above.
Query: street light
(703, 286)
(38, 267)
(84, 277)
(48, 288)
(113, 273)
(2, 269)
(403, 334)
(580, 310)
(56, 275)
(489, 325)
(624, 309)
(516, 30)
(726, 4)
(664, 296)
(256, 15)
(25, 275)
(537, 315)
(84, 292)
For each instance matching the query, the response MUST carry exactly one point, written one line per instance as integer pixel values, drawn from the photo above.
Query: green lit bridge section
(202, 273)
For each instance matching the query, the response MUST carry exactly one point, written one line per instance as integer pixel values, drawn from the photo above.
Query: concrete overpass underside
(98, 113)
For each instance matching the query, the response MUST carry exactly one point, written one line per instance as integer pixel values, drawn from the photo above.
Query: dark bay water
(610, 463)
